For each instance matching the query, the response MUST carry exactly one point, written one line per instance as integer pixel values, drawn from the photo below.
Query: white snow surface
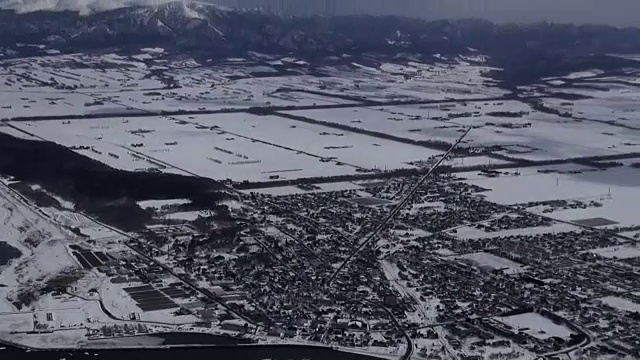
(618, 252)
(291, 190)
(621, 303)
(235, 146)
(470, 232)
(187, 215)
(535, 325)
(41, 241)
(487, 260)
(615, 188)
(157, 204)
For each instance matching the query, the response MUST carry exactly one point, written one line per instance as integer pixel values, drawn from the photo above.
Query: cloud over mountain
(83, 6)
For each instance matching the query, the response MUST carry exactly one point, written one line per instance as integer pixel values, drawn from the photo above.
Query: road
(410, 347)
(397, 208)
(184, 279)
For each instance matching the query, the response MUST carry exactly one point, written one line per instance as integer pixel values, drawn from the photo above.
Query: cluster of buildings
(290, 271)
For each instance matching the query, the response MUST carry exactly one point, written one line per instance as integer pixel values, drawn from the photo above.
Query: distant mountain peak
(88, 7)
(524, 52)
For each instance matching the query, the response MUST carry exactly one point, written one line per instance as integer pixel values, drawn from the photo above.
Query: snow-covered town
(398, 208)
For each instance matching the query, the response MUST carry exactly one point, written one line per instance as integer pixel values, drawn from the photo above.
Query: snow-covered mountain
(526, 52)
(83, 6)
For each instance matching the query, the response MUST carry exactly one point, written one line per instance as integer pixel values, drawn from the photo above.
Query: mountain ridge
(526, 52)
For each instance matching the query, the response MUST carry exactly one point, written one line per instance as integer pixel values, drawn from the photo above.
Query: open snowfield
(171, 147)
(52, 102)
(87, 226)
(102, 72)
(68, 312)
(40, 241)
(615, 103)
(470, 232)
(535, 325)
(411, 122)
(122, 81)
(187, 215)
(158, 204)
(551, 137)
(242, 93)
(348, 147)
(548, 137)
(425, 81)
(48, 259)
(291, 190)
(15, 321)
(6, 129)
(620, 303)
(618, 252)
(487, 260)
(113, 82)
(617, 205)
(56, 85)
(236, 146)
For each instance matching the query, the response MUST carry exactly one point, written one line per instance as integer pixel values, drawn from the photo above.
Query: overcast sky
(612, 12)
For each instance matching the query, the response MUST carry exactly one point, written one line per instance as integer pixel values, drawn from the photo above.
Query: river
(211, 353)
(221, 352)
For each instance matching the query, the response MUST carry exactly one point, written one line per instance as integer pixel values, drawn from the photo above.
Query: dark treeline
(95, 188)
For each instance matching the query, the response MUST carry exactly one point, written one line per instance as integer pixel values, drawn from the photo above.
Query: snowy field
(158, 204)
(490, 261)
(187, 215)
(615, 103)
(446, 79)
(40, 241)
(348, 147)
(618, 252)
(241, 93)
(416, 122)
(291, 190)
(534, 136)
(236, 146)
(56, 85)
(169, 146)
(52, 102)
(620, 303)
(471, 232)
(6, 129)
(535, 325)
(616, 189)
